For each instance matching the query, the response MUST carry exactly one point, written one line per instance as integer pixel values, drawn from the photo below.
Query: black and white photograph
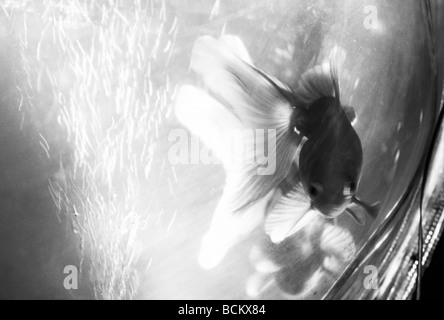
(221, 154)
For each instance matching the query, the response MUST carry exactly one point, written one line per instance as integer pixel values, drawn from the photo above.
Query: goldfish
(317, 153)
(330, 160)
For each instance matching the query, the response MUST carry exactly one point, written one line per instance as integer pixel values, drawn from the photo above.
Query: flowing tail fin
(260, 103)
(242, 102)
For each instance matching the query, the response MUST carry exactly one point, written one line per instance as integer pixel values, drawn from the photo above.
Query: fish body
(330, 161)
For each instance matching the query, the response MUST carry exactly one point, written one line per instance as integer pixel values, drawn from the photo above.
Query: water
(100, 87)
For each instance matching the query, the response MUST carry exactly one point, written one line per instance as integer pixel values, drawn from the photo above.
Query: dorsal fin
(322, 80)
(351, 114)
(336, 60)
(315, 83)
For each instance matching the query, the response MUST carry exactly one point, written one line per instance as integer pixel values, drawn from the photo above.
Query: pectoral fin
(351, 114)
(291, 214)
(371, 209)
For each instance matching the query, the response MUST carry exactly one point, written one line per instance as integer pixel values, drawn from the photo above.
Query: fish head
(330, 165)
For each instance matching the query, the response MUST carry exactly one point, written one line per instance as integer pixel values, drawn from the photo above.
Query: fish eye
(315, 190)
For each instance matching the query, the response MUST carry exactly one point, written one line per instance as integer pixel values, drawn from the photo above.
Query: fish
(330, 160)
(317, 154)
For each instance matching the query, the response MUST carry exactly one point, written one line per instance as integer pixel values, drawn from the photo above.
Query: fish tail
(267, 149)
(212, 58)
(208, 120)
(228, 72)
(261, 158)
(235, 45)
(228, 228)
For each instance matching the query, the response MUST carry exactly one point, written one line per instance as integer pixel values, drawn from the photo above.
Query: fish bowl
(112, 111)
